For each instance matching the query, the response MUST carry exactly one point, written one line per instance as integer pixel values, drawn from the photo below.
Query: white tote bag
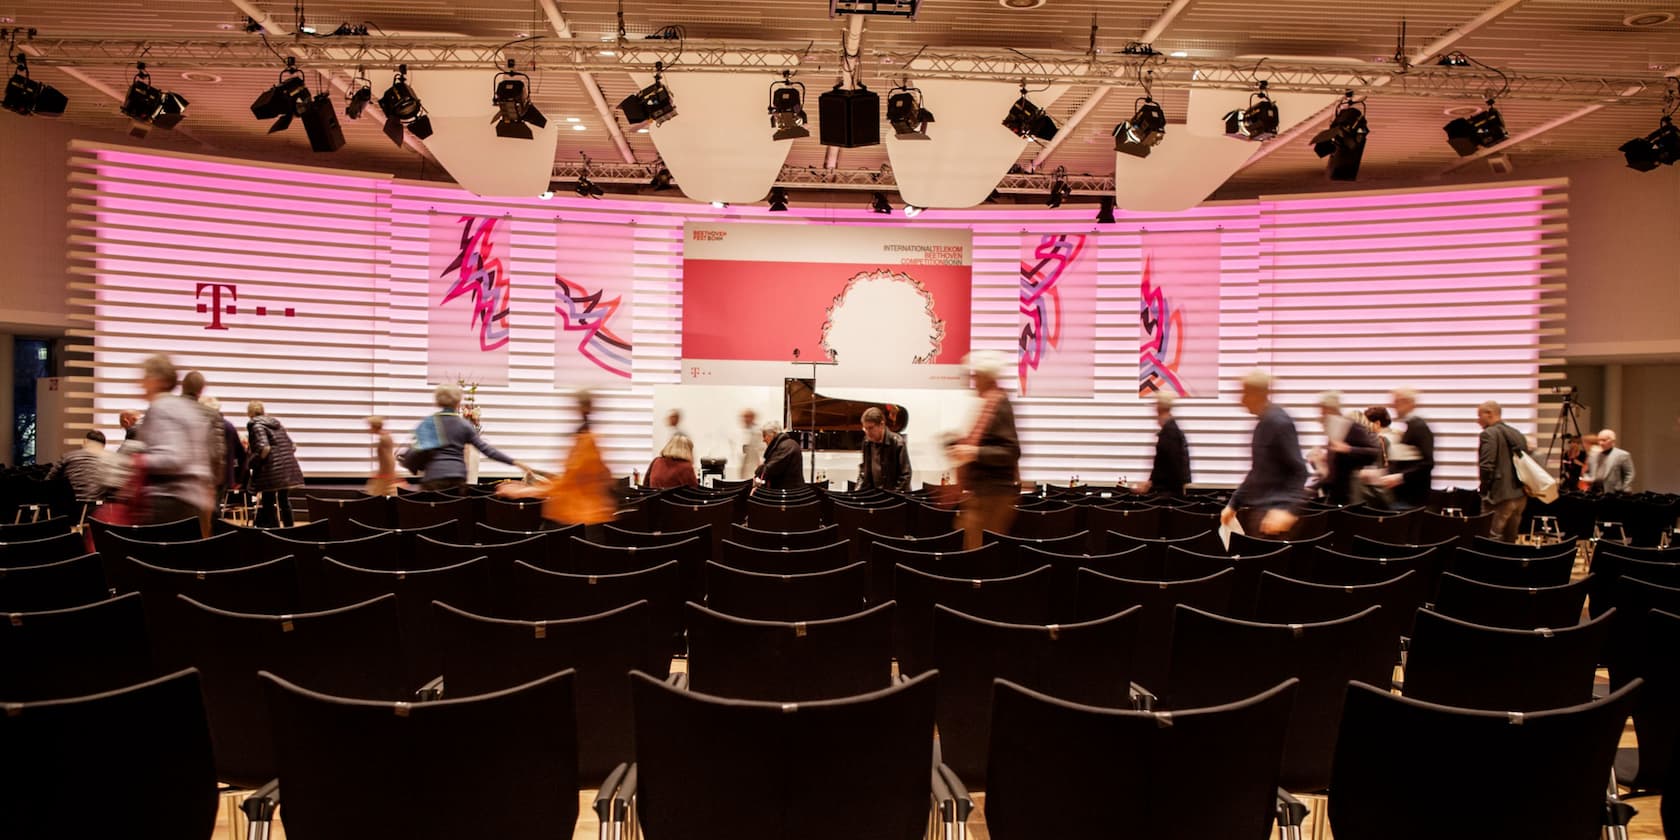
(1535, 480)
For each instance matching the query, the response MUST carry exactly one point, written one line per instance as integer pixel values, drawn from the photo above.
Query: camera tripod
(1566, 421)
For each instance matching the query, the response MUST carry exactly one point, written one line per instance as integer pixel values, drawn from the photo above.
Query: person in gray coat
(1502, 490)
(1610, 469)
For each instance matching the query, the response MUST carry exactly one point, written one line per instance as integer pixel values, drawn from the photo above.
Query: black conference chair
(494, 765)
(616, 535)
(71, 652)
(892, 519)
(789, 660)
(41, 528)
(1285, 600)
(710, 768)
(221, 551)
(180, 530)
(1178, 523)
(1133, 563)
(1245, 582)
(353, 650)
(1021, 599)
(53, 586)
(1632, 600)
(1047, 523)
(482, 655)
(1326, 565)
(1097, 595)
(514, 514)
(1206, 543)
(406, 541)
(466, 584)
(1183, 564)
(990, 560)
(146, 746)
(816, 538)
(1088, 662)
(378, 511)
(1523, 608)
(535, 594)
(1140, 522)
(1540, 775)
(799, 516)
(786, 597)
(556, 542)
(1377, 549)
(42, 550)
(251, 537)
(1500, 548)
(1549, 570)
(1650, 767)
(1072, 543)
(589, 558)
(783, 561)
(1456, 663)
(1057, 768)
(880, 568)
(422, 516)
(677, 516)
(1244, 545)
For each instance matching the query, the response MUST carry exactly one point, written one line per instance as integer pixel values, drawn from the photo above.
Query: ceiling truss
(816, 178)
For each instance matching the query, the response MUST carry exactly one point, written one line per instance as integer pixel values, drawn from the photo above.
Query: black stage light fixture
(1258, 122)
(320, 123)
(849, 118)
(778, 200)
(1105, 213)
(1344, 141)
(403, 109)
(1660, 147)
(147, 106)
(650, 103)
(288, 98)
(906, 114)
(361, 93)
(880, 204)
(661, 179)
(515, 115)
(1059, 189)
(1029, 121)
(26, 96)
(587, 188)
(1454, 59)
(1138, 135)
(787, 108)
(1480, 130)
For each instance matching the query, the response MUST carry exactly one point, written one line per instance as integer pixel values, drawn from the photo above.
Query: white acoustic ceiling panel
(968, 150)
(464, 138)
(718, 146)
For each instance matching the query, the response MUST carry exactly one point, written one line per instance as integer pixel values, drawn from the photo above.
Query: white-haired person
(1609, 468)
(1275, 485)
(1350, 447)
(675, 465)
(988, 457)
(782, 468)
(175, 459)
(1171, 471)
(446, 434)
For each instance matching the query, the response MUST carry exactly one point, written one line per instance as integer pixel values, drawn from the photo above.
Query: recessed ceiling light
(1021, 4)
(576, 127)
(641, 131)
(607, 53)
(573, 119)
(1179, 54)
(1462, 110)
(1651, 18)
(201, 76)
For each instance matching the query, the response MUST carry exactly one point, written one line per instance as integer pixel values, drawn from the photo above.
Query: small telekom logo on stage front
(216, 309)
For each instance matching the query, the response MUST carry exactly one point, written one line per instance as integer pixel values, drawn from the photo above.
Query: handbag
(414, 457)
(1535, 481)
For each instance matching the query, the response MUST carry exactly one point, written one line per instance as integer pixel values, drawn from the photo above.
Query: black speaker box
(849, 118)
(320, 122)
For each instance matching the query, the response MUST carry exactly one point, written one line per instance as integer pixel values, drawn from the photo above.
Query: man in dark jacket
(781, 469)
(1412, 464)
(1502, 490)
(1277, 475)
(988, 458)
(1351, 448)
(1171, 471)
(886, 460)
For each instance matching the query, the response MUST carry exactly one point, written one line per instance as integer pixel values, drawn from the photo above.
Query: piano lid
(838, 423)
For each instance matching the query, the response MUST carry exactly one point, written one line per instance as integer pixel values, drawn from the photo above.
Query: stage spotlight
(515, 115)
(1029, 121)
(661, 179)
(1257, 122)
(587, 188)
(911, 211)
(1059, 189)
(361, 93)
(147, 106)
(403, 109)
(1480, 130)
(787, 108)
(1105, 213)
(1344, 141)
(778, 200)
(650, 103)
(288, 98)
(880, 204)
(1660, 147)
(1138, 135)
(26, 96)
(906, 114)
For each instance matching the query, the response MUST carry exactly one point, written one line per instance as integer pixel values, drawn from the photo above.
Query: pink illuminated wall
(1457, 293)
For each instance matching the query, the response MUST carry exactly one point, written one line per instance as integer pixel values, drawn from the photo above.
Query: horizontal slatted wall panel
(151, 237)
(1455, 292)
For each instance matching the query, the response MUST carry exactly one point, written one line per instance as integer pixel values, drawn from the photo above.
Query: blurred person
(1411, 458)
(446, 435)
(1349, 448)
(1610, 469)
(1170, 473)
(582, 493)
(886, 458)
(192, 387)
(384, 481)
(673, 424)
(1275, 484)
(174, 459)
(81, 467)
(1573, 465)
(1502, 491)
(275, 472)
(988, 457)
(234, 465)
(1381, 426)
(782, 468)
(675, 465)
(128, 420)
(750, 444)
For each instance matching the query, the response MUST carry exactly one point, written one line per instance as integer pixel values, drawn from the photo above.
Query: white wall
(33, 217)
(1624, 263)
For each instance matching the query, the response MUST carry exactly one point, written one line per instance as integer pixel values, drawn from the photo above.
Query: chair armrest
(432, 690)
(1143, 700)
(1618, 813)
(1291, 812)
(259, 810)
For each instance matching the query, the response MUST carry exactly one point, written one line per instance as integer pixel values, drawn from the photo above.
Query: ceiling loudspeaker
(849, 118)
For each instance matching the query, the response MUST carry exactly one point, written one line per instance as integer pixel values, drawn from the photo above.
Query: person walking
(275, 472)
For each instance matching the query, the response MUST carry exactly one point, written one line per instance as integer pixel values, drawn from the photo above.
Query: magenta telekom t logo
(215, 309)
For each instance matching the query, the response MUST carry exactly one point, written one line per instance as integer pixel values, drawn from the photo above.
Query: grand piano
(827, 423)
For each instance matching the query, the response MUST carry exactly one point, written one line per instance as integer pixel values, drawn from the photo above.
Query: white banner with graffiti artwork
(1178, 312)
(1058, 315)
(594, 267)
(468, 300)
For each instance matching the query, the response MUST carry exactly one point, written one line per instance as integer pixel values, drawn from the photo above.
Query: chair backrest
(1020, 599)
(1205, 542)
(671, 515)
(1457, 663)
(40, 528)
(1046, 522)
(786, 597)
(696, 753)
(535, 594)
(892, 519)
(35, 552)
(413, 516)
(53, 586)
(427, 765)
(1178, 523)
(1432, 527)
(1500, 548)
(1141, 522)
(1523, 608)
(483, 655)
(146, 746)
(815, 538)
(1097, 595)
(1656, 716)
(931, 520)
(221, 551)
(789, 660)
(1545, 570)
(803, 516)
(1287, 600)
(616, 535)
(557, 542)
(1395, 528)
(1540, 775)
(251, 537)
(353, 650)
(368, 551)
(777, 561)
(1219, 660)
(1327, 565)
(378, 511)
(1183, 564)
(1632, 600)
(1378, 549)
(1069, 543)
(1648, 554)
(1058, 768)
(1245, 584)
(180, 530)
(70, 652)
(1088, 662)
(513, 514)
(990, 560)
(465, 584)
(880, 568)
(406, 539)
